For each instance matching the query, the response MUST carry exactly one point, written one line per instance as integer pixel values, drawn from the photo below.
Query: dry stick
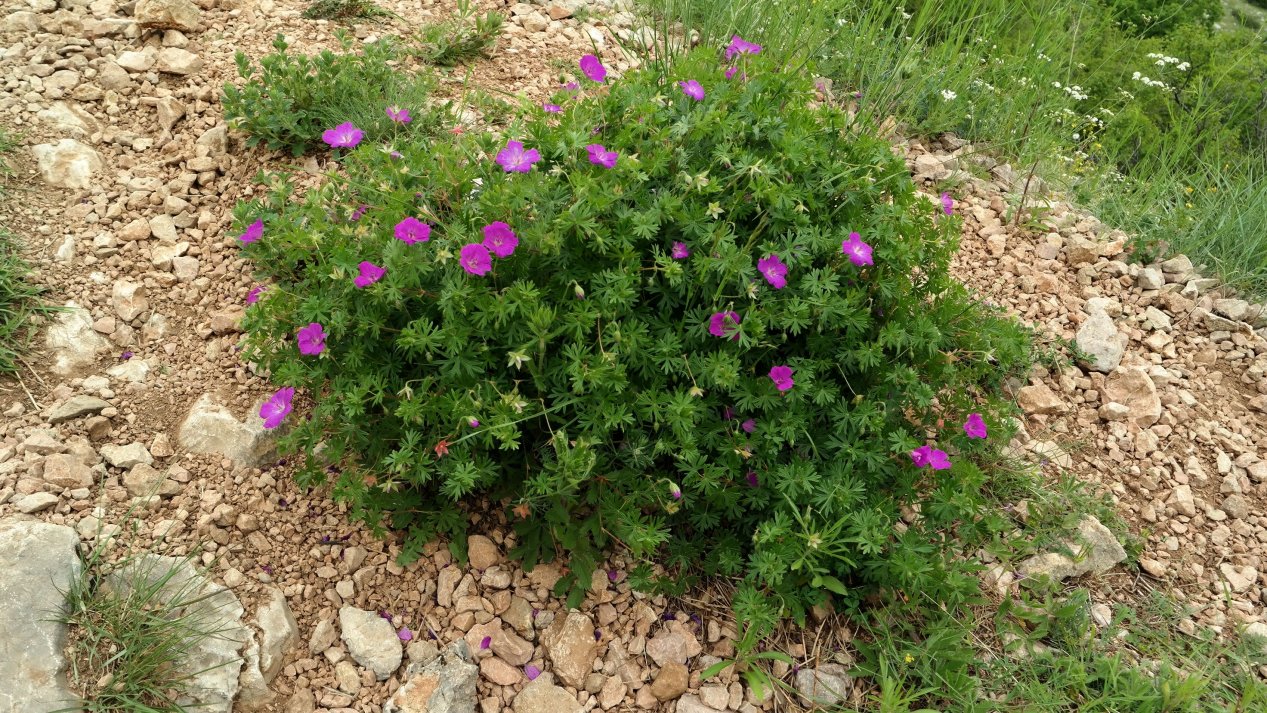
(28, 392)
(1020, 207)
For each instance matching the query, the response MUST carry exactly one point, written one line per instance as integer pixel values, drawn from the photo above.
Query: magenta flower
(739, 45)
(752, 479)
(473, 423)
(574, 86)
(312, 339)
(600, 156)
(859, 252)
(748, 426)
(730, 72)
(552, 108)
(593, 68)
(405, 634)
(411, 230)
(722, 324)
(359, 212)
(476, 259)
(254, 232)
(692, 89)
(499, 239)
(398, 115)
(675, 491)
(343, 136)
(782, 377)
(370, 273)
(276, 408)
(486, 642)
(975, 426)
(929, 457)
(254, 295)
(773, 270)
(680, 251)
(532, 672)
(947, 204)
(514, 159)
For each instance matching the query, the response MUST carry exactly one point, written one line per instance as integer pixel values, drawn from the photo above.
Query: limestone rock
(1095, 551)
(67, 164)
(1099, 339)
(174, 60)
(1040, 399)
(73, 341)
(571, 648)
(67, 471)
(542, 696)
(39, 563)
(144, 480)
(278, 632)
(76, 407)
(129, 300)
(1239, 579)
(126, 456)
(670, 682)
(1133, 387)
(482, 552)
(691, 703)
(210, 428)
(68, 117)
(180, 15)
(828, 685)
(371, 641)
(35, 502)
(674, 643)
(443, 684)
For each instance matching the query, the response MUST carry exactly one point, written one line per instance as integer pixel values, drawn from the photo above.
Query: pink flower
(499, 239)
(748, 426)
(370, 273)
(722, 324)
(405, 634)
(773, 270)
(752, 479)
(675, 491)
(514, 159)
(486, 642)
(593, 68)
(360, 211)
(398, 115)
(680, 251)
(312, 339)
(782, 377)
(975, 426)
(692, 89)
(531, 672)
(254, 232)
(254, 295)
(730, 72)
(343, 136)
(739, 45)
(947, 204)
(929, 457)
(411, 230)
(473, 423)
(476, 259)
(600, 156)
(552, 108)
(276, 408)
(859, 252)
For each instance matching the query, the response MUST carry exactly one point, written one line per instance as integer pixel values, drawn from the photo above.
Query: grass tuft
(461, 38)
(345, 10)
(19, 301)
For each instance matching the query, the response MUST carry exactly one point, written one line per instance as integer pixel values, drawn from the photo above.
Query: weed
(461, 38)
(345, 10)
(18, 302)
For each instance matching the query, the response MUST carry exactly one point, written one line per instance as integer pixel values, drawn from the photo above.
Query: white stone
(67, 164)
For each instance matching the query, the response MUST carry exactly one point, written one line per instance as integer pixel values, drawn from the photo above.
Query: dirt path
(140, 245)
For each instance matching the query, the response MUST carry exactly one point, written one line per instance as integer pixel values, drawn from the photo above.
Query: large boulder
(67, 163)
(37, 565)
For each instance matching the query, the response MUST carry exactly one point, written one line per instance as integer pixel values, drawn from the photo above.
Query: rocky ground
(123, 193)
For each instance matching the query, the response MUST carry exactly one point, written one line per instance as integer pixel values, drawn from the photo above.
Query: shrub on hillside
(294, 98)
(696, 316)
(1154, 18)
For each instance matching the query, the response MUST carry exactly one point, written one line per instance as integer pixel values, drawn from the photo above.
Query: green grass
(130, 629)
(19, 301)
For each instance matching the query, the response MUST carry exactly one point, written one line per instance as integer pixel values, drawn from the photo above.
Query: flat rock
(1095, 551)
(542, 696)
(670, 681)
(143, 480)
(35, 502)
(126, 456)
(67, 471)
(445, 684)
(690, 703)
(571, 648)
(73, 342)
(67, 163)
(482, 552)
(68, 117)
(673, 644)
(828, 685)
(371, 641)
(174, 60)
(39, 563)
(210, 428)
(76, 407)
(1040, 399)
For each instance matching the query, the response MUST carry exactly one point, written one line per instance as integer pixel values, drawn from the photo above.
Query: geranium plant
(697, 315)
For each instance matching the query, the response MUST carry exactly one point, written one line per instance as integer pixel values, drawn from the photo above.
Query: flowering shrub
(295, 99)
(692, 315)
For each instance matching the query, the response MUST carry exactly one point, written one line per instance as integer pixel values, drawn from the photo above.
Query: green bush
(579, 382)
(295, 98)
(1153, 18)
